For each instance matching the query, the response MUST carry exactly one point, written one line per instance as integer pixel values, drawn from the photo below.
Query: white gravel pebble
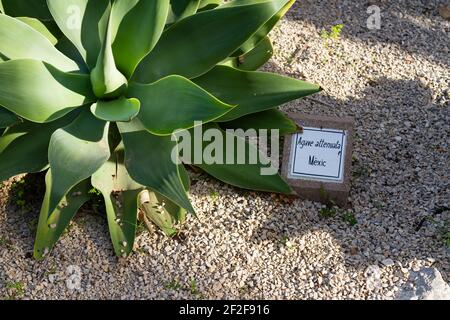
(388, 262)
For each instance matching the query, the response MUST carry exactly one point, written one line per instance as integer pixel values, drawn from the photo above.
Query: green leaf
(7, 118)
(247, 175)
(51, 226)
(121, 200)
(39, 92)
(208, 4)
(26, 8)
(27, 143)
(107, 81)
(75, 153)
(121, 109)
(253, 41)
(175, 103)
(16, 37)
(258, 56)
(184, 177)
(180, 9)
(137, 26)
(197, 43)
(53, 28)
(84, 22)
(149, 162)
(252, 91)
(161, 211)
(170, 213)
(69, 50)
(254, 59)
(41, 28)
(269, 119)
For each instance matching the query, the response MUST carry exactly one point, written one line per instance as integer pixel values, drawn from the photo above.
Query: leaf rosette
(92, 91)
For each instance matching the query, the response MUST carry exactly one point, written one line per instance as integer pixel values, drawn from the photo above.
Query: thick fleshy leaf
(208, 4)
(184, 177)
(121, 109)
(175, 103)
(51, 226)
(27, 143)
(48, 28)
(27, 8)
(241, 170)
(252, 91)
(107, 81)
(197, 43)
(254, 59)
(253, 41)
(16, 37)
(161, 211)
(136, 28)
(269, 119)
(75, 153)
(40, 27)
(149, 162)
(39, 92)
(180, 9)
(53, 28)
(84, 22)
(121, 200)
(69, 50)
(7, 118)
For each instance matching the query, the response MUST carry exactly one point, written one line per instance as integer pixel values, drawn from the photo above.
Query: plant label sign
(318, 154)
(317, 160)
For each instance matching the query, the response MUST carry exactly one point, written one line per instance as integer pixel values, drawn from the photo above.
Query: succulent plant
(92, 90)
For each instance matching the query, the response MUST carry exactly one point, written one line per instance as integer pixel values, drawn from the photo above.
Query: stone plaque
(317, 161)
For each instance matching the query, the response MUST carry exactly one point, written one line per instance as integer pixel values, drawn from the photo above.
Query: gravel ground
(395, 82)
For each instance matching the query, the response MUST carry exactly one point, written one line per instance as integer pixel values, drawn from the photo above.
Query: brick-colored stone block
(313, 186)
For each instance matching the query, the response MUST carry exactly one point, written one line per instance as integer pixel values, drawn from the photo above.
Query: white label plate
(318, 154)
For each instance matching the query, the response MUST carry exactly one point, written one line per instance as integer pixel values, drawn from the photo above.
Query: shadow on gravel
(22, 206)
(393, 206)
(22, 209)
(399, 24)
(399, 186)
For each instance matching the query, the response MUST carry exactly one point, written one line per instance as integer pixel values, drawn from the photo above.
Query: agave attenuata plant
(92, 90)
